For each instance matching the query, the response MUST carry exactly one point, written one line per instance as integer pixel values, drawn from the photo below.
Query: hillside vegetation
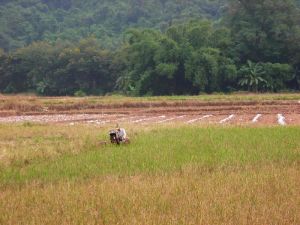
(138, 47)
(25, 21)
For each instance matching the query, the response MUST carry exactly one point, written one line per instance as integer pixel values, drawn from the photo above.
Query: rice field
(182, 167)
(168, 175)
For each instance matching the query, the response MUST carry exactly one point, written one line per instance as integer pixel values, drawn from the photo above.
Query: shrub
(80, 93)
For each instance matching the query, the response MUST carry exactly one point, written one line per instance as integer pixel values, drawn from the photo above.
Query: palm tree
(252, 76)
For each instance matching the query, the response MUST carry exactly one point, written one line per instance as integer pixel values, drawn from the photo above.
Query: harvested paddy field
(269, 110)
(190, 161)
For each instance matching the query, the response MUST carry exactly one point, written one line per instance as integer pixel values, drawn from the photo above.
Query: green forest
(153, 47)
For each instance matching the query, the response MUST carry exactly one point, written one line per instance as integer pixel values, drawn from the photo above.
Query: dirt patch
(293, 119)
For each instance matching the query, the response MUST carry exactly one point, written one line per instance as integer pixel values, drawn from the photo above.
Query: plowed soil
(159, 112)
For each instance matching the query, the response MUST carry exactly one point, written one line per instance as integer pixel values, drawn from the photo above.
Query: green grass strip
(165, 150)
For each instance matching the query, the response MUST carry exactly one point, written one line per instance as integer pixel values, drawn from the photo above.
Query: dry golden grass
(23, 143)
(16, 104)
(234, 195)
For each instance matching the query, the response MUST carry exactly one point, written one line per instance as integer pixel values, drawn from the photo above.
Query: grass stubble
(16, 104)
(58, 174)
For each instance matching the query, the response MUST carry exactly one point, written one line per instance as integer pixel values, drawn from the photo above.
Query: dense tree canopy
(58, 69)
(264, 29)
(25, 21)
(153, 47)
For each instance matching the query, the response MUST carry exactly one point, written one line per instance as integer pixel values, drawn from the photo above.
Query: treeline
(58, 69)
(254, 47)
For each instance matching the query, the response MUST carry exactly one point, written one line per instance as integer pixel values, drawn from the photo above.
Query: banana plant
(252, 76)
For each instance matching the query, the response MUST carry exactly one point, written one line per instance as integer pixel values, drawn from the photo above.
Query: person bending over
(121, 134)
(118, 136)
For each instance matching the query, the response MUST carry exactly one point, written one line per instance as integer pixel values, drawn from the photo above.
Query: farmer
(121, 134)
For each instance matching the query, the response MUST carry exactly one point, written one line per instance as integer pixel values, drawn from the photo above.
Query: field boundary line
(201, 118)
(255, 119)
(227, 119)
(146, 119)
(281, 119)
(174, 118)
